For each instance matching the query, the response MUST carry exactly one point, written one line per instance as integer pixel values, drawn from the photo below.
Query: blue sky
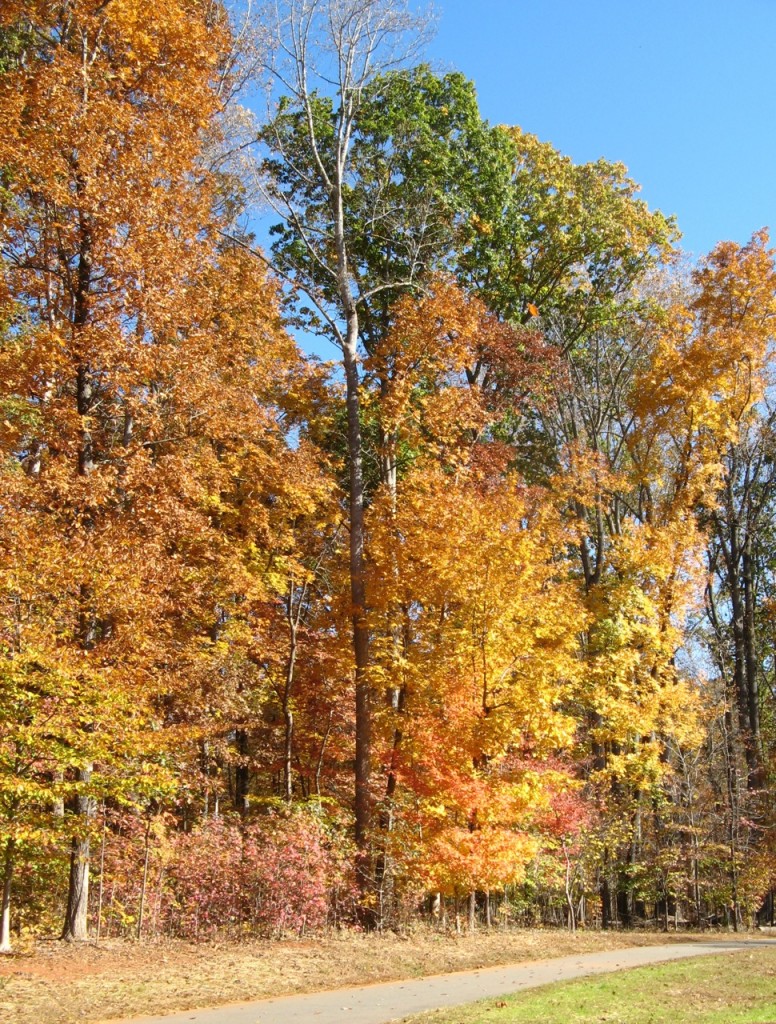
(683, 93)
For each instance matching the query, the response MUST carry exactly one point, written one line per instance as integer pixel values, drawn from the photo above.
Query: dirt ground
(56, 983)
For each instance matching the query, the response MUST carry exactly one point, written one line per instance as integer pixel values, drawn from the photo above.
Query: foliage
(490, 617)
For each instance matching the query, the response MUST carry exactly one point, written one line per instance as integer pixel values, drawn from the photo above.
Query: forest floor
(55, 983)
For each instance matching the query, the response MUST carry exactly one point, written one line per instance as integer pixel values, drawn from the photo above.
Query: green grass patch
(730, 988)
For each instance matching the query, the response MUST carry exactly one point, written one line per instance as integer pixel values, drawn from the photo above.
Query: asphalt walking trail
(391, 1001)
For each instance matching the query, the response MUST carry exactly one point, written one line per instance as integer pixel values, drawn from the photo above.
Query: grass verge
(733, 988)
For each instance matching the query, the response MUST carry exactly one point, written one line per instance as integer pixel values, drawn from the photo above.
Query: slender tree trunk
(101, 888)
(363, 701)
(158, 903)
(84, 808)
(292, 618)
(606, 902)
(696, 882)
(741, 593)
(76, 916)
(739, 651)
(363, 760)
(750, 664)
(733, 831)
(241, 772)
(748, 489)
(204, 760)
(144, 883)
(572, 922)
(5, 910)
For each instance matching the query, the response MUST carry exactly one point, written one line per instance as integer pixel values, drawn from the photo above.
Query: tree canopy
(484, 610)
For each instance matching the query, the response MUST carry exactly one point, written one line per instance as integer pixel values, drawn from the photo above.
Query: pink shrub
(275, 875)
(204, 879)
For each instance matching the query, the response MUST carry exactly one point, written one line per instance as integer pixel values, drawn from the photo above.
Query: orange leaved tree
(141, 377)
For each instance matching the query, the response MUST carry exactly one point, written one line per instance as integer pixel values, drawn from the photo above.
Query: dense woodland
(474, 622)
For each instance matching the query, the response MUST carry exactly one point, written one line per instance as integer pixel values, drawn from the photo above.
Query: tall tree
(330, 53)
(101, 222)
(734, 309)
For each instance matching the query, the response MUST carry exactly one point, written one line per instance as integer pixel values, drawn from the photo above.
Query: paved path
(378, 1004)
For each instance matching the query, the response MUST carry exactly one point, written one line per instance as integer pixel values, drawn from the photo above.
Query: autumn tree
(139, 395)
(488, 654)
(339, 158)
(644, 415)
(734, 310)
(495, 522)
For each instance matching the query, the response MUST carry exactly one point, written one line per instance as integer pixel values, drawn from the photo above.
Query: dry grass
(54, 983)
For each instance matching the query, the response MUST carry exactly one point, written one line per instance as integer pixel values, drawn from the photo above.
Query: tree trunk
(292, 618)
(5, 911)
(696, 884)
(572, 920)
(76, 916)
(750, 665)
(739, 579)
(394, 693)
(241, 773)
(76, 928)
(606, 904)
(739, 653)
(144, 883)
(363, 760)
(83, 806)
(101, 889)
